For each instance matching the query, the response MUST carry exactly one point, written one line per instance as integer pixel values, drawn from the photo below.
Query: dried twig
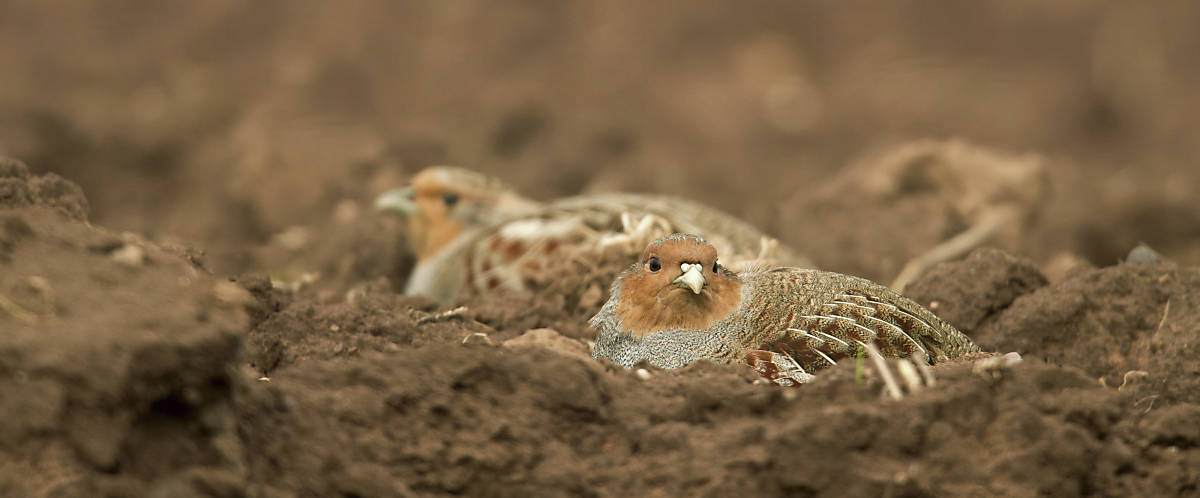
(908, 372)
(485, 337)
(17, 311)
(1132, 375)
(960, 244)
(1166, 311)
(1151, 398)
(889, 380)
(923, 366)
(859, 357)
(445, 315)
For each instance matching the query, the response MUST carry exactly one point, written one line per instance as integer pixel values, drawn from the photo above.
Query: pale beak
(692, 278)
(399, 201)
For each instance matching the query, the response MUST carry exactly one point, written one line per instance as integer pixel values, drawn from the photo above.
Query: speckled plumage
(788, 322)
(492, 238)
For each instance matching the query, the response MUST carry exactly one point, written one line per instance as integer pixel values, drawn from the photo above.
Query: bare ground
(145, 350)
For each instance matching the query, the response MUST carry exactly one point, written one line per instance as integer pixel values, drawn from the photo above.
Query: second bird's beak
(692, 278)
(399, 201)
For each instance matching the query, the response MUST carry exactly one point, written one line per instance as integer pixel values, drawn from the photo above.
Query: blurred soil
(196, 298)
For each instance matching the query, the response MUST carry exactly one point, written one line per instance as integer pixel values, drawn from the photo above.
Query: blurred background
(224, 124)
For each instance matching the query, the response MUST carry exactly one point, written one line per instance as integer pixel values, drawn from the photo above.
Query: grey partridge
(677, 304)
(474, 235)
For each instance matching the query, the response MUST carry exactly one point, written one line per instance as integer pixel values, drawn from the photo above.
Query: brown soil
(219, 316)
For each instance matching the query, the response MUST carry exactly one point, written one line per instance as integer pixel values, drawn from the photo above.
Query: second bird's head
(677, 283)
(440, 203)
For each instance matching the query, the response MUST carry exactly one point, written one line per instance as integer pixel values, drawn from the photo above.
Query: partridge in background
(473, 234)
(677, 304)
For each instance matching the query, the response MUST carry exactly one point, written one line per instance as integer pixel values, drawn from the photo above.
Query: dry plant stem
(445, 315)
(1166, 312)
(889, 380)
(17, 311)
(858, 365)
(955, 247)
(1131, 375)
(908, 372)
(486, 339)
(1151, 398)
(923, 366)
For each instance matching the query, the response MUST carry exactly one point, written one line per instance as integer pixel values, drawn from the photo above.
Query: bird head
(441, 203)
(677, 283)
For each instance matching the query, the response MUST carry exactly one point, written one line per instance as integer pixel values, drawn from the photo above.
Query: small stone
(129, 254)
(1012, 358)
(345, 211)
(231, 293)
(1143, 255)
(994, 366)
(294, 238)
(551, 340)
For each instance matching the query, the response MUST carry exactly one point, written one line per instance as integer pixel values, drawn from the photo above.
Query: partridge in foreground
(473, 234)
(677, 304)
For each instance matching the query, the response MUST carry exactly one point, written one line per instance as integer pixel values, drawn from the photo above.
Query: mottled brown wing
(908, 323)
(841, 314)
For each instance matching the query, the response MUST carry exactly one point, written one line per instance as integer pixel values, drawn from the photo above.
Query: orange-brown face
(677, 284)
(431, 225)
(442, 202)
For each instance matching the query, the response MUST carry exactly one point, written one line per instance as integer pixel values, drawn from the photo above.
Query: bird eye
(654, 264)
(714, 266)
(450, 198)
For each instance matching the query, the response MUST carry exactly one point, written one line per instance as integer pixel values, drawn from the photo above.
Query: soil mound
(117, 356)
